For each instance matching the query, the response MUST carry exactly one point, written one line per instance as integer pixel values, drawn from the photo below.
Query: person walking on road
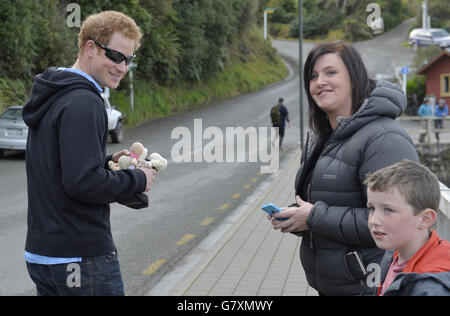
(353, 133)
(279, 115)
(69, 247)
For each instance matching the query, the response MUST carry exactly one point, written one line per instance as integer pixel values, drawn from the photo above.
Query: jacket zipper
(311, 236)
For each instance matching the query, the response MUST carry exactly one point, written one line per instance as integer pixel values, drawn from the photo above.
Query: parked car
(13, 130)
(116, 119)
(428, 37)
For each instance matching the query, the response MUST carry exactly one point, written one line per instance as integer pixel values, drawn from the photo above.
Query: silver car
(13, 130)
(428, 37)
(115, 119)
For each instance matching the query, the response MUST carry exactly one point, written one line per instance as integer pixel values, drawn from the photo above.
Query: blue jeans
(99, 275)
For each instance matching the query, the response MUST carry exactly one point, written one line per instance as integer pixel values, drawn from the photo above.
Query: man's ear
(427, 218)
(90, 48)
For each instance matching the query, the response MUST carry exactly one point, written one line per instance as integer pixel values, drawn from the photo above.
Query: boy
(402, 200)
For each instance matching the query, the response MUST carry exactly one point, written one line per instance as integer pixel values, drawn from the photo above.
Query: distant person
(354, 132)
(403, 200)
(425, 110)
(279, 115)
(69, 247)
(441, 111)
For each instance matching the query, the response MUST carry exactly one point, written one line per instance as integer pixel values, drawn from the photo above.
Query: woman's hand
(297, 217)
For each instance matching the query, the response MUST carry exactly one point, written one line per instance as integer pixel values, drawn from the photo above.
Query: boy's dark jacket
(69, 186)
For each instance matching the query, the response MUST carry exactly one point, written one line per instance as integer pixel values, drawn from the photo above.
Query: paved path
(251, 258)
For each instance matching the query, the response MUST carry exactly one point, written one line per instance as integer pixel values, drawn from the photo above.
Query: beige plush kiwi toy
(137, 158)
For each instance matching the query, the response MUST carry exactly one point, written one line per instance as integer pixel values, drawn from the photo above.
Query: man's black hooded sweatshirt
(69, 186)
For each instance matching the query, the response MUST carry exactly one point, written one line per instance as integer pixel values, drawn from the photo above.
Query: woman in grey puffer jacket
(354, 133)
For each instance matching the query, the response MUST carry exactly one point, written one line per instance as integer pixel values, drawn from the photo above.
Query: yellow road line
(154, 267)
(247, 186)
(186, 238)
(207, 221)
(254, 180)
(224, 207)
(236, 196)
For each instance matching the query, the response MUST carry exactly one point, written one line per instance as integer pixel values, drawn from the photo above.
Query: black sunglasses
(114, 55)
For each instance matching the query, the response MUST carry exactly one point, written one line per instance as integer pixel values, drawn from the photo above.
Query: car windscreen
(12, 114)
(440, 33)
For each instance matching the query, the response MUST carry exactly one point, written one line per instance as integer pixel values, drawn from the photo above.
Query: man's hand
(150, 174)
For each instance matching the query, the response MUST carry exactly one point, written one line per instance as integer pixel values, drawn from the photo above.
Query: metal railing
(426, 128)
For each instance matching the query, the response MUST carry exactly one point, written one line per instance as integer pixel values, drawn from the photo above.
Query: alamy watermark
(74, 278)
(74, 17)
(236, 144)
(374, 19)
(373, 278)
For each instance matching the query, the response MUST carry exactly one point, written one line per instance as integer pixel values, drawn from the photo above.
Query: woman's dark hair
(362, 86)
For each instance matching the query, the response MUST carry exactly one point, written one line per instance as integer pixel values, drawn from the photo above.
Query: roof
(424, 69)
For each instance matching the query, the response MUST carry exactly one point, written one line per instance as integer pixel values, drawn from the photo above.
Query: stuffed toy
(156, 162)
(138, 158)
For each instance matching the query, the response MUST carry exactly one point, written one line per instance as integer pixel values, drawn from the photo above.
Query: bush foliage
(323, 16)
(183, 39)
(185, 42)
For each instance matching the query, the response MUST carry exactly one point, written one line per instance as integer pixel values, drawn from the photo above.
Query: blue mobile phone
(272, 208)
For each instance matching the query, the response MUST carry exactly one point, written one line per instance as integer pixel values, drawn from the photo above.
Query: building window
(445, 85)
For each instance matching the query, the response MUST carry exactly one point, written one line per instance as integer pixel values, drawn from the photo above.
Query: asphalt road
(189, 199)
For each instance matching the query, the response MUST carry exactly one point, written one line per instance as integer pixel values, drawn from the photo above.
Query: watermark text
(237, 144)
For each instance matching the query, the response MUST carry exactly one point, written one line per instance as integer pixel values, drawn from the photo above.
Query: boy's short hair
(103, 25)
(415, 182)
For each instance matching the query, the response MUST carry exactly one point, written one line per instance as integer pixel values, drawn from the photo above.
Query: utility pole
(425, 23)
(300, 69)
(131, 67)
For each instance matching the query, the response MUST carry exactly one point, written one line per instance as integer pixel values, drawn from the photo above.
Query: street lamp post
(405, 71)
(267, 11)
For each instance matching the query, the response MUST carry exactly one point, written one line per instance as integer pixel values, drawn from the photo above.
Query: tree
(17, 47)
(182, 39)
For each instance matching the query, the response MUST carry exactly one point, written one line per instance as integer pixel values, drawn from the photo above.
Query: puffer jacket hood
(47, 87)
(387, 99)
